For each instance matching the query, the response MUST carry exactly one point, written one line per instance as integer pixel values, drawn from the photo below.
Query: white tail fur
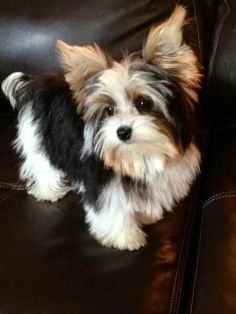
(11, 84)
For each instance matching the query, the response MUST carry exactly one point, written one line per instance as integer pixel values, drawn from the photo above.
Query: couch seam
(180, 259)
(199, 250)
(12, 186)
(211, 64)
(217, 37)
(196, 15)
(218, 196)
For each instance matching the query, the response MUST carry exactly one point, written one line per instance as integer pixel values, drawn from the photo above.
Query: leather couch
(49, 264)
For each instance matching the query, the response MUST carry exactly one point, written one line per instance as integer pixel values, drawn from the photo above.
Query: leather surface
(223, 63)
(49, 264)
(28, 31)
(9, 163)
(205, 15)
(215, 279)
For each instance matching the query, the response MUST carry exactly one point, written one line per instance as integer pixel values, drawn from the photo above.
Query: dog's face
(136, 112)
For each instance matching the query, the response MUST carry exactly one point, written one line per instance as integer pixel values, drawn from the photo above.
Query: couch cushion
(215, 276)
(50, 264)
(28, 32)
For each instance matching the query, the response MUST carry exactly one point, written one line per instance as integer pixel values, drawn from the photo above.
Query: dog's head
(136, 112)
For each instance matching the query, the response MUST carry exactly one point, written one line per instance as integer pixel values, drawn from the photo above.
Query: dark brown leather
(49, 264)
(28, 32)
(214, 281)
(215, 275)
(9, 164)
(222, 64)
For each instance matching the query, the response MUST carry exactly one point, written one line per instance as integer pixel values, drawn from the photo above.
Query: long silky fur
(67, 140)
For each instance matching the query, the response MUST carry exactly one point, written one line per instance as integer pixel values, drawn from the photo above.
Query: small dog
(119, 133)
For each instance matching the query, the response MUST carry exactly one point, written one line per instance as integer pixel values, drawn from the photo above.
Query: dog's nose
(124, 133)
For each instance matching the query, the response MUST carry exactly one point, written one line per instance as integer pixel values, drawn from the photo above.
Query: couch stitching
(218, 196)
(176, 279)
(12, 186)
(199, 248)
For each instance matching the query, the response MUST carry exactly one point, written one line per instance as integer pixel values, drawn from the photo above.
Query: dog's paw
(127, 240)
(148, 219)
(48, 195)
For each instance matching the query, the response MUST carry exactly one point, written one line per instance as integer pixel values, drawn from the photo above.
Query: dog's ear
(81, 63)
(165, 48)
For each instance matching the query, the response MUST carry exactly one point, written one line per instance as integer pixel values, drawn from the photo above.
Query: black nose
(124, 133)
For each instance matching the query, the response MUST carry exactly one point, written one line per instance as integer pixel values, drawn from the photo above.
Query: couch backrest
(29, 29)
(222, 66)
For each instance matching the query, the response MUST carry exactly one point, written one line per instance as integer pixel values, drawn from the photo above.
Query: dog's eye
(109, 111)
(143, 103)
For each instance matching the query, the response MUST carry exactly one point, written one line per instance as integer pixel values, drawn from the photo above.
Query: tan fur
(81, 63)
(165, 48)
(124, 167)
(95, 104)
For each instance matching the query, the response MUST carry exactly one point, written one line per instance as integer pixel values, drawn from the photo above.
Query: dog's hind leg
(44, 181)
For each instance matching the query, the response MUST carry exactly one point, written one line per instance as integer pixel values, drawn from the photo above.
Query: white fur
(118, 222)
(44, 181)
(12, 82)
(115, 224)
(88, 146)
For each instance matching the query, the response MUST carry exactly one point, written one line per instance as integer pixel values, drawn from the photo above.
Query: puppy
(120, 133)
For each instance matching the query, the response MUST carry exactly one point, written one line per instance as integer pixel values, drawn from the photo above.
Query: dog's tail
(12, 85)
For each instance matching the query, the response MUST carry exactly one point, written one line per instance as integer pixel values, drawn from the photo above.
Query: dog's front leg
(115, 227)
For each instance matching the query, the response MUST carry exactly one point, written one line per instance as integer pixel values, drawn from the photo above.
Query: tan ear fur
(165, 48)
(81, 63)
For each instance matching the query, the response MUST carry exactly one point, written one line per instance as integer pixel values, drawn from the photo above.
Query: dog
(119, 133)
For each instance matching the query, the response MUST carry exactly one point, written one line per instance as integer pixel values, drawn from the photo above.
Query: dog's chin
(139, 161)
